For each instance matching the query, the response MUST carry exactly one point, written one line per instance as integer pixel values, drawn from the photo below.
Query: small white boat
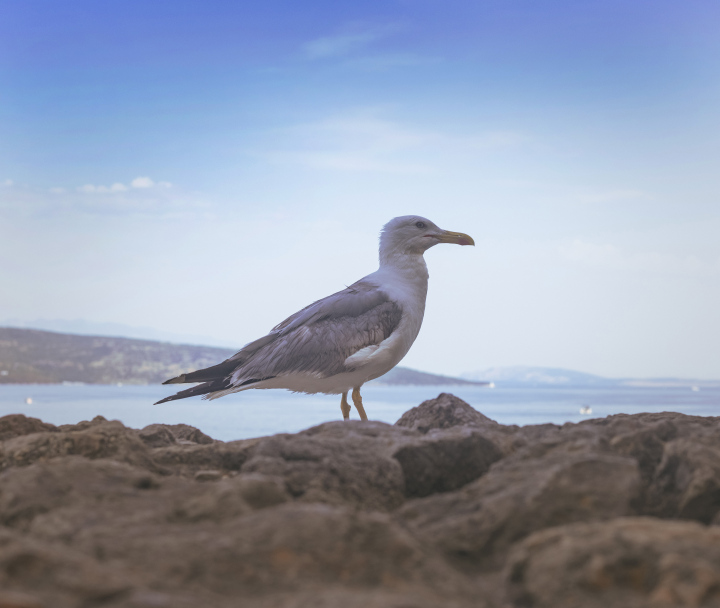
(28, 400)
(586, 410)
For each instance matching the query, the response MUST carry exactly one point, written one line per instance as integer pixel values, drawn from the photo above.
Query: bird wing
(320, 337)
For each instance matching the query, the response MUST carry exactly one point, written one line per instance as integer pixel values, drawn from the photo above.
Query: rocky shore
(444, 508)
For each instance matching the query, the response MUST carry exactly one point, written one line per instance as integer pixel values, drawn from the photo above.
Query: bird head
(414, 235)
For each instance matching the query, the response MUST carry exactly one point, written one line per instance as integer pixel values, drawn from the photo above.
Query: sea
(258, 413)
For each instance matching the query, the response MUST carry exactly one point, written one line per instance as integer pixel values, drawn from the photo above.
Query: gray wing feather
(352, 301)
(319, 338)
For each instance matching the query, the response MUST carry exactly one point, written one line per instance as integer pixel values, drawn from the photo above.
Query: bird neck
(410, 266)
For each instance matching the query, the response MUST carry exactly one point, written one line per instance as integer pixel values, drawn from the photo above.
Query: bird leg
(357, 400)
(345, 406)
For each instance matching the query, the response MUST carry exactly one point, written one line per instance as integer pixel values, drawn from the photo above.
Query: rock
(374, 465)
(187, 459)
(624, 563)
(336, 463)
(12, 599)
(261, 491)
(645, 443)
(15, 425)
(218, 502)
(678, 459)
(287, 547)
(83, 424)
(55, 576)
(687, 482)
(445, 508)
(62, 483)
(157, 436)
(479, 522)
(185, 432)
(208, 475)
(444, 412)
(445, 460)
(161, 435)
(96, 439)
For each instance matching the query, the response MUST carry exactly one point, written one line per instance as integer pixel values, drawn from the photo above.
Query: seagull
(338, 343)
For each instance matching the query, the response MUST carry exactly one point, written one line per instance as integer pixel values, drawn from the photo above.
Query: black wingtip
(179, 395)
(202, 389)
(176, 380)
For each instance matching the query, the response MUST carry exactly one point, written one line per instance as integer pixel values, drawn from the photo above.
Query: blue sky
(207, 168)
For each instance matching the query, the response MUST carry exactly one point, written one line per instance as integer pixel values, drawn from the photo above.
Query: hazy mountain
(35, 356)
(117, 330)
(404, 375)
(537, 376)
(526, 376)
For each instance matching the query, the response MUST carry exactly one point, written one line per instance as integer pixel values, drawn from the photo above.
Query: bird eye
(421, 225)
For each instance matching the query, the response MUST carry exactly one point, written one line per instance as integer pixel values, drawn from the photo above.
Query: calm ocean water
(257, 413)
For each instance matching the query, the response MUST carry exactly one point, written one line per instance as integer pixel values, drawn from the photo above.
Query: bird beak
(458, 238)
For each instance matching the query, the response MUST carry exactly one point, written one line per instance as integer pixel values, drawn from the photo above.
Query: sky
(205, 168)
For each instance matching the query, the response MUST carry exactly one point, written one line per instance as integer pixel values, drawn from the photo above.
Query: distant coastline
(552, 377)
(32, 356)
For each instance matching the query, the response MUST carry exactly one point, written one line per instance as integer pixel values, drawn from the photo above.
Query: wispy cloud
(156, 199)
(334, 46)
(365, 48)
(146, 182)
(90, 188)
(355, 38)
(142, 182)
(364, 141)
(138, 182)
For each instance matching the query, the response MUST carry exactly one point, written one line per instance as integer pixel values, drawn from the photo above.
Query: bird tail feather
(201, 389)
(215, 372)
(227, 367)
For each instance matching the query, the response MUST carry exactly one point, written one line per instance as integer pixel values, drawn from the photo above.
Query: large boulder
(284, 548)
(478, 523)
(444, 412)
(687, 481)
(442, 461)
(35, 574)
(95, 439)
(161, 435)
(335, 463)
(14, 425)
(623, 563)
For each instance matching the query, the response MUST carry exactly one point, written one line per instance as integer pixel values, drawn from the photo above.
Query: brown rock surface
(447, 411)
(479, 522)
(624, 563)
(445, 508)
(15, 425)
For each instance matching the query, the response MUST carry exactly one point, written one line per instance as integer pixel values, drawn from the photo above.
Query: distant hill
(404, 375)
(34, 356)
(44, 357)
(536, 377)
(115, 330)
